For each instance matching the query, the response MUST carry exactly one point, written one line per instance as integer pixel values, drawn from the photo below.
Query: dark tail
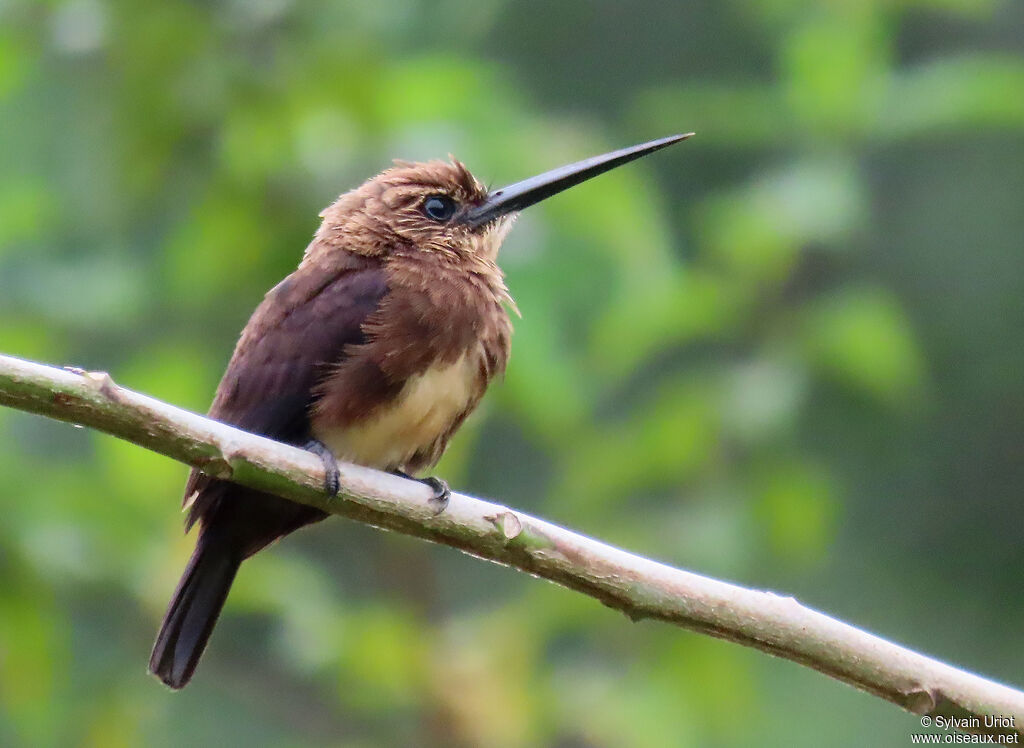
(193, 612)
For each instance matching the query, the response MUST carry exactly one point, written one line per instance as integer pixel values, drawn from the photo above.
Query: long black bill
(523, 194)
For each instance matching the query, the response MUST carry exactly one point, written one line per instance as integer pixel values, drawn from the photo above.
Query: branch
(638, 587)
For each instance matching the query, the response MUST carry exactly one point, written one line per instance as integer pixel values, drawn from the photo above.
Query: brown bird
(373, 351)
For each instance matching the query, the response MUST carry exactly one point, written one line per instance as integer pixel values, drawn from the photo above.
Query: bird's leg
(442, 493)
(332, 478)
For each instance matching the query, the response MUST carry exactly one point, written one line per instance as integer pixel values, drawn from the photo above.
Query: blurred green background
(787, 352)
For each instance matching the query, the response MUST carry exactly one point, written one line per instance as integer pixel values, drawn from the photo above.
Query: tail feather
(193, 611)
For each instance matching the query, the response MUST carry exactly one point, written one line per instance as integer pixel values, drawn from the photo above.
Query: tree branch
(637, 586)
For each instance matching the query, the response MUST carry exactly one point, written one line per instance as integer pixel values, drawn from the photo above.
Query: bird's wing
(301, 329)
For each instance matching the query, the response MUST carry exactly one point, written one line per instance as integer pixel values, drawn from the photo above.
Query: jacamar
(373, 351)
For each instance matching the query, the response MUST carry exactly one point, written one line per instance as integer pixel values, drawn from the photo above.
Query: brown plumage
(377, 347)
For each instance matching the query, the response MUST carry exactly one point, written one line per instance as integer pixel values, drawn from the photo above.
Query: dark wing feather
(302, 326)
(268, 384)
(300, 330)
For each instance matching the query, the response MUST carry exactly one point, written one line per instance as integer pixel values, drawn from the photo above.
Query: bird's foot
(442, 493)
(332, 478)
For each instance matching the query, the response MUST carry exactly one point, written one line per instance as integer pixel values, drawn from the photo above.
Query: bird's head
(441, 208)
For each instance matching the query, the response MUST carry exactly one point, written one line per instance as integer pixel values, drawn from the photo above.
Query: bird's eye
(439, 208)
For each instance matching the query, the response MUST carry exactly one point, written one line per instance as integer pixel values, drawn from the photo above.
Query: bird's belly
(414, 421)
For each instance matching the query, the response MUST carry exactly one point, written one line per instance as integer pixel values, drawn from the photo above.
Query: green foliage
(786, 352)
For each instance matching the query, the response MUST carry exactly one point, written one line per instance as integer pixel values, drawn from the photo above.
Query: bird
(373, 351)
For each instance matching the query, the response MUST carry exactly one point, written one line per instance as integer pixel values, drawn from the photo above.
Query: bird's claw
(442, 493)
(332, 477)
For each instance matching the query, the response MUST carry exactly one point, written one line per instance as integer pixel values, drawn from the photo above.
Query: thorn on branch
(101, 381)
(507, 523)
(922, 700)
(216, 467)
